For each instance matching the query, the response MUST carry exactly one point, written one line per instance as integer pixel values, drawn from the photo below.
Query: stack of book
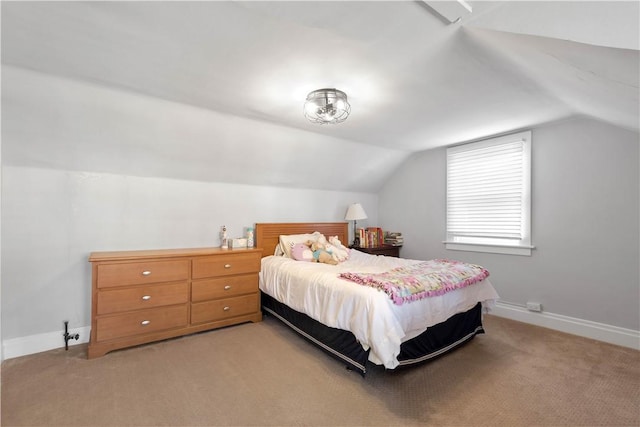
(393, 238)
(371, 237)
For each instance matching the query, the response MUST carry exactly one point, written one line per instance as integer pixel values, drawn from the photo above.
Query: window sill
(494, 249)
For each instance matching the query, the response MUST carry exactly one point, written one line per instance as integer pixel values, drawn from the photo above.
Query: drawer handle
(146, 297)
(146, 273)
(226, 288)
(227, 266)
(227, 308)
(145, 322)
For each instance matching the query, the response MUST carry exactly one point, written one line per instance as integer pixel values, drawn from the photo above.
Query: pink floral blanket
(422, 280)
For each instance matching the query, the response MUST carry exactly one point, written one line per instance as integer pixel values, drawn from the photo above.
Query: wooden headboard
(268, 234)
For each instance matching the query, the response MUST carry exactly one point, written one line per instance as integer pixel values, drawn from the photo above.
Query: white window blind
(488, 194)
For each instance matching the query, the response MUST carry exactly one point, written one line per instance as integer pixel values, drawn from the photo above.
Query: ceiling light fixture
(327, 106)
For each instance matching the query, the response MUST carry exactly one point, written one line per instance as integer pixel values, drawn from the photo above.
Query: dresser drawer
(141, 322)
(141, 297)
(226, 265)
(211, 311)
(225, 287)
(140, 273)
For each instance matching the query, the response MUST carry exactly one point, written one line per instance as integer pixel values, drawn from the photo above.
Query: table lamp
(354, 213)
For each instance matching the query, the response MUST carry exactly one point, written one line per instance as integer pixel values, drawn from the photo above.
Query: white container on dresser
(144, 296)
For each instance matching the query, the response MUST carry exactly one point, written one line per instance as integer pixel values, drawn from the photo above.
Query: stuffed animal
(301, 252)
(320, 254)
(339, 251)
(334, 247)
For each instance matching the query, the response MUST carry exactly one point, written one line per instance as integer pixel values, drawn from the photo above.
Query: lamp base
(356, 238)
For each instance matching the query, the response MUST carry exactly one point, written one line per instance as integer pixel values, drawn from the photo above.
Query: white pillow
(287, 241)
(278, 251)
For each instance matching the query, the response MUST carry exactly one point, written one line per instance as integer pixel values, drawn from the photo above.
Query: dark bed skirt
(435, 341)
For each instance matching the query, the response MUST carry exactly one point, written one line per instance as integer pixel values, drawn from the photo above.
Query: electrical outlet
(534, 306)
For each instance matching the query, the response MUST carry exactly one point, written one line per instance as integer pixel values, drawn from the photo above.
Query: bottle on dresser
(224, 238)
(250, 240)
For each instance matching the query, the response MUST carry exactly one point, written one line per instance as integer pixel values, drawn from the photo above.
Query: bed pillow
(287, 241)
(278, 251)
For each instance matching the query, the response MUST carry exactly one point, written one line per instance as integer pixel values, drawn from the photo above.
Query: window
(489, 195)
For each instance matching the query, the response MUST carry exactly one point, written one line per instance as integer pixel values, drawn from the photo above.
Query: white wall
(88, 167)
(1, 347)
(585, 189)
(53, 219)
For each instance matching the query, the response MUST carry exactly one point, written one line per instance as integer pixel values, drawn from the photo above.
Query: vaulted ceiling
(415, 80)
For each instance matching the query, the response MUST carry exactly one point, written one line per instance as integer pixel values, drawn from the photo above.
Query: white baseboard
(31, 344)
(23, 346)
(571, 325)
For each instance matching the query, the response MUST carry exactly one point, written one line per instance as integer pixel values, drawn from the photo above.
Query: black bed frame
(435, 341)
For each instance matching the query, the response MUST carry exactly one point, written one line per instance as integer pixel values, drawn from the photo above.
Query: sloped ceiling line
(241, 70)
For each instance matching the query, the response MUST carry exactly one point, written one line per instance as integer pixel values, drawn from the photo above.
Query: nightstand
(386, 250)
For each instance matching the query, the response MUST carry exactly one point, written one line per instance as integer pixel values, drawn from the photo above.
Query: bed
(359, 324)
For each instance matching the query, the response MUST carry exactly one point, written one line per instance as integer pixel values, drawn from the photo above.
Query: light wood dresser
(144, 296)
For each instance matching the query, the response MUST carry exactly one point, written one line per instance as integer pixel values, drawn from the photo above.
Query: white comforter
(377, 323)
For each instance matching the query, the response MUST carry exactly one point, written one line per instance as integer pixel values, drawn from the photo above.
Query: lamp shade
(355, 212)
